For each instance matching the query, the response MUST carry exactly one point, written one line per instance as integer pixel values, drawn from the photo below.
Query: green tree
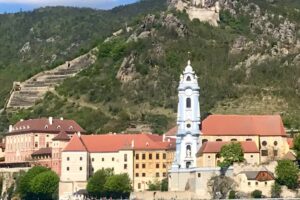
(44, 185)
(296, 147)
(118, 186)
(231, 194)
(155, 186)
(95, 186)
(231, 153)
(275, 190)
(24, 181)
(256, 194)
(287, 173)
(164, 184)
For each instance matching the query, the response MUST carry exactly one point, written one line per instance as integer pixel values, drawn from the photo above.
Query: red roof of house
(172, 131)
(215, 147)
(62, 136)
(116, 142)
(236, 125)
(290, 141)
(75, 144)
(42, 151)
(43, 125)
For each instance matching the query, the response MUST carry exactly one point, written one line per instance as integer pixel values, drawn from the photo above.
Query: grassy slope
(152, 97)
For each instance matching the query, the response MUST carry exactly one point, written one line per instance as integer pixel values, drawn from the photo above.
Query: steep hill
(249, 64)
(44, 38)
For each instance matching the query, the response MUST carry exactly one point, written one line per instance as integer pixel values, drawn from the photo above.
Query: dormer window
(58, 127)
(71, 127)
(188, 78)
(188, 102)
(46, 126)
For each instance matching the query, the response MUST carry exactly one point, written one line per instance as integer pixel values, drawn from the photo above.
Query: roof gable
(75, 144)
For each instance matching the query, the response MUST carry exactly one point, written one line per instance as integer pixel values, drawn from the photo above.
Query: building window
(275, 143)
(233, 140)
(266, 183)
(150, 156)
(143, 156)
(199, 175)
(188, 102)
(251, 156)
(264, 152)
(47, 145)
(137, 166)
(188, 125)
(36, 144)
(219, 140)
(188, 78)
(157, 174)
(157, 166)
(256, 183)
(164, 166)
(47, 135)
(143, 166)
(275, 152)
(143, 174)
(204, 140)
(125, 157)
(249, 183)
(125, 166)
(80, 158)
(157, 156)
(164, 174)
(164, 156)
(139, 185)
(208, 156)
(68, 168)
(136, 174)
(264, 143)
(248, 139)
(68, 158)
(93, 159)
(80, 168)
(112, 159)
(136, 156)
(102, 159)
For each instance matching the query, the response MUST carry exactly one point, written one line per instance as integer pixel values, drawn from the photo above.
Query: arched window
(248, 139)
(219, 140)
(204, 140)
(233, 140)
(188, 78)
(188, 102)
(188, 151)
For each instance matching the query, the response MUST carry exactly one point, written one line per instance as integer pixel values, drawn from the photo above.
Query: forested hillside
(249, 64)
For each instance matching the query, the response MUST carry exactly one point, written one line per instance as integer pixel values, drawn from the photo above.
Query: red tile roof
(290, 141)
(239, 125)
(75, 144)
(215, 147)
(172, 131)
(62, 136)
(116, 142)
(43, 125)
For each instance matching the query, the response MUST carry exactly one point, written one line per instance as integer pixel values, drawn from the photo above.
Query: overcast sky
(10, 6)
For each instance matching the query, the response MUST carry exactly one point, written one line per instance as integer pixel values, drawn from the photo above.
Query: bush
(95, 186)
(287, 173)
(231, 194)
(256, 194)
(275, 190)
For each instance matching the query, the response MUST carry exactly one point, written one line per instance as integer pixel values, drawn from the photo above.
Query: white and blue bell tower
(188, 120)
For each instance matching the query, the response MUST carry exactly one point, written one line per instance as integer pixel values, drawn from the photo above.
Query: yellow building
(152, 165)
(266, 132)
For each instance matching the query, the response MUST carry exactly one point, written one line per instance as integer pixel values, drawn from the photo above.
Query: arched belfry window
(188, 78)
(188, 102)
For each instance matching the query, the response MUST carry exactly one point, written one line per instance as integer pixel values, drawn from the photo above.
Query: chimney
(21, 120)
(164, 137)
(61, 118)
(79, 134)
(50, 120)
(132, 143)
(10, 128)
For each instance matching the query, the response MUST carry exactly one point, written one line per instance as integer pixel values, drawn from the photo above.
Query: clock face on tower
(188, 92)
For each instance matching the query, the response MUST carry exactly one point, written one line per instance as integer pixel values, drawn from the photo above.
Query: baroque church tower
(188, 120)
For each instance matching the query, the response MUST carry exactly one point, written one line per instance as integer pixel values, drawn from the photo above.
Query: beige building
(144, 157)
